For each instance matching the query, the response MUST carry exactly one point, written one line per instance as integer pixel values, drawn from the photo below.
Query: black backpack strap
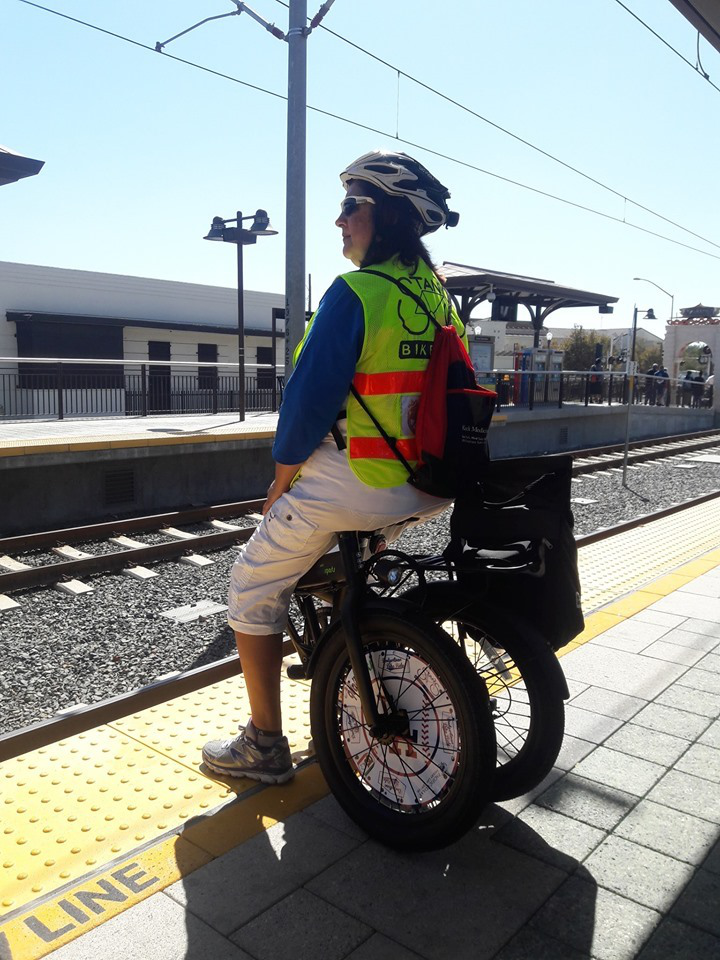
(413, 296)
(338, 437)
(390, 441)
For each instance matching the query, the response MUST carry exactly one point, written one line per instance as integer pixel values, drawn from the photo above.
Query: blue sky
(141, 151)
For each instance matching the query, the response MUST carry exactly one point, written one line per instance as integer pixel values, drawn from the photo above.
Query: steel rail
(104, 563)
(109, 528)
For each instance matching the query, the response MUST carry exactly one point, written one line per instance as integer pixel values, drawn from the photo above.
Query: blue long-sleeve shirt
(320, 383)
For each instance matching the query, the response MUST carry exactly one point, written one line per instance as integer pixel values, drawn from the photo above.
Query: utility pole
(295, 201)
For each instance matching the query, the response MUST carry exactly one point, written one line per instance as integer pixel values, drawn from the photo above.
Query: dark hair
(397, 229)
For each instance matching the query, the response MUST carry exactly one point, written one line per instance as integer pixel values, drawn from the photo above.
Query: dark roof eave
(523, 289)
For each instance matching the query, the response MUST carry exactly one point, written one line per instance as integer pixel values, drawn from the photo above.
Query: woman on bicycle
(333, 469)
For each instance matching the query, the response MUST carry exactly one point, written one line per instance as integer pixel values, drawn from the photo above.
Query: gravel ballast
(57, 651)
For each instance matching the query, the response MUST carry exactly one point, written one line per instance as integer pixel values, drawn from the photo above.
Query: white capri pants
(300, 527)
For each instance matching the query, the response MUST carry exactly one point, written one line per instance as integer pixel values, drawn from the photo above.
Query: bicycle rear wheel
(426, 788)
(524, 681)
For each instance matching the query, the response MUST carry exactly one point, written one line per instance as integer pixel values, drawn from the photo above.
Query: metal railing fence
(42, 388)
(37, 388)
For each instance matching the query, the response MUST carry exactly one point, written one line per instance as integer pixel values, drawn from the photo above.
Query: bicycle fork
(386, 725)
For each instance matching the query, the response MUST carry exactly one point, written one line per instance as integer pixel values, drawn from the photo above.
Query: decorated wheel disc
(414, 770)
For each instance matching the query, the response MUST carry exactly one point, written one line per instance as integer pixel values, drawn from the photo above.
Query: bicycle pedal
(296, 671)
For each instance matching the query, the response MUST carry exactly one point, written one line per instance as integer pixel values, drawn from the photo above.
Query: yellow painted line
(86, 801)
(233, 824)
(74, 911)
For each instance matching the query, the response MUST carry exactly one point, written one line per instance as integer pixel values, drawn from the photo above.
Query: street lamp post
(219, 230)
(672, 298)
(631, 373)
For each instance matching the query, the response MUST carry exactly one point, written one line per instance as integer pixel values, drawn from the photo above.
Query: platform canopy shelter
(470, 286)
(704, 15)
(13, 166)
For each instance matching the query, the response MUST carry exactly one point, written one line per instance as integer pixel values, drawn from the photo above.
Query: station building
(179, 328)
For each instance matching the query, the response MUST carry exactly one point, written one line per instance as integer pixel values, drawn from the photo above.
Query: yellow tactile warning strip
(96, 823)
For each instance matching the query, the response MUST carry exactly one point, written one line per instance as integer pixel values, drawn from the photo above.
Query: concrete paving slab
(587, 801)
(632, 635)
(575, 688)
(702, 761)
(672, 832)
(674, 652)
(511, 808)
(638, 873)
(711, 737)
(708, 628)
(536, 945)
(595, 921)
(622, 672)
(572, 751)
(712, 861)
(701, 679)
(707, 585)
(690, 605)
(654, 616)
(691, 699)
(698, 904)
(474, 895)
(648, 744)
(670, 719)
(607, 702)
(585, 725)
(686, 638)
(620, 770)
(157, 928)
(379, 947)
(674, 940)
(250, 879)
(551, 837)
(302, 927)
(329, 812)
(710, 662)
(682, 791)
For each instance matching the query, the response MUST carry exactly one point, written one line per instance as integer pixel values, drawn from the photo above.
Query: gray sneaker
(242, 757)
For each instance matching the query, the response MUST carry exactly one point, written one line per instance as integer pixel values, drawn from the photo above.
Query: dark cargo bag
(524, 501)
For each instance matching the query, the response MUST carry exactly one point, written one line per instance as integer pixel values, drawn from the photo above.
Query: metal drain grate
(119, 487)
(563, 437)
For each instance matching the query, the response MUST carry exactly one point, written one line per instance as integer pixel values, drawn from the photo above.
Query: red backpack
(453, 418)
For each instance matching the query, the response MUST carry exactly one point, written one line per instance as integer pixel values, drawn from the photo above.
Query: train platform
(117, 843)
(53, 436)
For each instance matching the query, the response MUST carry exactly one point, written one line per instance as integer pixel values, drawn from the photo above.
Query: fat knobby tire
(426, 789)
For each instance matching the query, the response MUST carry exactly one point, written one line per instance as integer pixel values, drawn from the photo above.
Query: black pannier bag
(520, 500)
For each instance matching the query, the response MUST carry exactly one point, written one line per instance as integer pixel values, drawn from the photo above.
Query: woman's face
(358, 227)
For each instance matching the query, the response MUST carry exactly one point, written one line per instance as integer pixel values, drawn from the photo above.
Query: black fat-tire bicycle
(522, 675)
(400, 719)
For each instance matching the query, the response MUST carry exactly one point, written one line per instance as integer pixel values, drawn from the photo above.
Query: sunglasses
(350, 205)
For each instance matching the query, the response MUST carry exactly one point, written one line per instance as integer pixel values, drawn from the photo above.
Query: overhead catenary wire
(390, 135)
(693, 66)
(509, 133)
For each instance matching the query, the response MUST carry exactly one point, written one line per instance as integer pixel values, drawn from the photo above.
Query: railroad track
(130, 556)
(80, 718)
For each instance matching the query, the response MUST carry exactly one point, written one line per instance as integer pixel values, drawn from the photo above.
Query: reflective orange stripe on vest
(375, 448)
(397, 381)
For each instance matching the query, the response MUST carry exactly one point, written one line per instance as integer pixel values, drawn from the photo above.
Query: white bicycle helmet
(400, 176)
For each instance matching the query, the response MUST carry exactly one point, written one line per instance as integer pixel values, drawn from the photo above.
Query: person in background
(662, 381)
(651, 384)
(333, 470)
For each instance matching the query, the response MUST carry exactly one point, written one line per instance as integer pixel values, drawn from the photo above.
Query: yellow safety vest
(391, 369)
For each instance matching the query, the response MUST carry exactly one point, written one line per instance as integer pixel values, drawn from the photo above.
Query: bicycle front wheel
(423, 789)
